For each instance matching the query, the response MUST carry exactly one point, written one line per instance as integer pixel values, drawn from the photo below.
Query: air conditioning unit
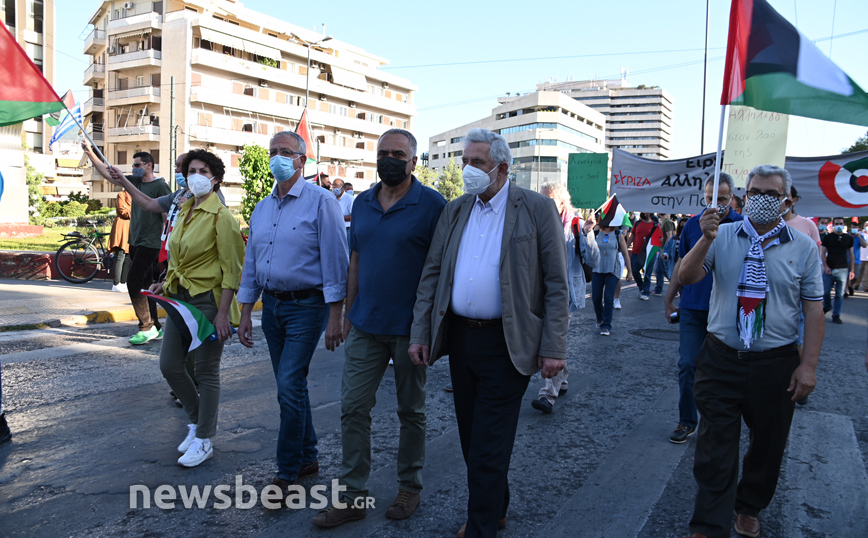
(128, 5)
(352, 104)
(323, 97)
(263, 83)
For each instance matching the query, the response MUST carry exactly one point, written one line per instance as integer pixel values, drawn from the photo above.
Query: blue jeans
(839, 278)
(603, 296)
(292, 330)
(671, 251)
(643, 281)
(692, 331)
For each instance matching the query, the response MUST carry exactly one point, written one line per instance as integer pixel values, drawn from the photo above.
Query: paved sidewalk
(29, 304)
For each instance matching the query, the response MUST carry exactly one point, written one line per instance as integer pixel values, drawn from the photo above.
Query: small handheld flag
(653, 245)
(66, 125)
(191, 323)
(303, 130)
(612, 213)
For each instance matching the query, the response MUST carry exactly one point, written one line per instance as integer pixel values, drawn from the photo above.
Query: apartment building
(32, 24)
(239, 77)
(638, 119)
(542, 129)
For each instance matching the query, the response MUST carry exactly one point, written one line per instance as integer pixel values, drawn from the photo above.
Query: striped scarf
(753, 285)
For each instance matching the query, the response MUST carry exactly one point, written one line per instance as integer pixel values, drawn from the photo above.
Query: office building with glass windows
(542, 129)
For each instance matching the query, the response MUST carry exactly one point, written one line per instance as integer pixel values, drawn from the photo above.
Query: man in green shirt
(145, 231)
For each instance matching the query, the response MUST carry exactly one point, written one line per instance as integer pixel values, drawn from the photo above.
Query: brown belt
(478, 323)
(294, 295)
(778, 352)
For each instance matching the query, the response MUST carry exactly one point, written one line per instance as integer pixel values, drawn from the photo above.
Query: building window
(34, 15)
(8, 7)
(456, 140)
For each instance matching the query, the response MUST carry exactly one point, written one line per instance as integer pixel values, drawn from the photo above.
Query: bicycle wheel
(77, 262)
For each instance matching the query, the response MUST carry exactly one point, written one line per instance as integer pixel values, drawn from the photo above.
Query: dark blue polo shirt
(392, 248)
(698, 296)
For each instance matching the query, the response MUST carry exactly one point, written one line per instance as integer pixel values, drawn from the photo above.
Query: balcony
(94, 104)
(140, 58)
(216, 135)
(135, 23)
(96, 132)
(140, 94)
(134, 133)
(94, 42)
(346, 154)
(93, 73)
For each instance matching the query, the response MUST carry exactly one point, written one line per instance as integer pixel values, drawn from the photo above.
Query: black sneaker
(803, 401)
(5, 432)
(837, 319)
(562, 391)
(542, 405)
(681, 434)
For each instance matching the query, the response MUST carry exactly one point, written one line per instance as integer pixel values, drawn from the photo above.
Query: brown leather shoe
(746, 525)
(334, 517)
(307, 471)
(500, 526)
(404, 505)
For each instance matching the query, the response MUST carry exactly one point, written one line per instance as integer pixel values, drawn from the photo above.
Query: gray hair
(403, 132)
(560, 194)
(769, 170)
(302, 147)
(724, 178)
(498, 152)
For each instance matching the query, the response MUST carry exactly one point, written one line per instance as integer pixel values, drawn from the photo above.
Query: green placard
(587, 179)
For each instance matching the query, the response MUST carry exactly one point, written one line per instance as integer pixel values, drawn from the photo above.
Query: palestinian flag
(303, 130)
(653, 245)
(612, 213)
(189, 320)
(24, 93)
(771, 66)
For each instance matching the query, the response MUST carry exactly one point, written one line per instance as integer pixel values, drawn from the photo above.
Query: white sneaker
(643, 297)
(391, 362)
(191, 434)
(199, 451)
(617, 304)
(605, 332)
(121, 288)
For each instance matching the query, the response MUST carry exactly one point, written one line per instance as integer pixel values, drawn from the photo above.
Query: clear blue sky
(587, 38)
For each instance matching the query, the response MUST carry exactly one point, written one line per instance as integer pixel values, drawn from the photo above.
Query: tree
(450, 184)
(35, 201)
(425, 175)
(255, 169)
(861, 144)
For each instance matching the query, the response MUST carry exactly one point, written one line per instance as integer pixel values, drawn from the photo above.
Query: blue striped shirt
(296, 243)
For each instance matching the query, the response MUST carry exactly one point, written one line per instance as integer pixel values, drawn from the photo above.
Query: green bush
(93, 206)
(74, 209)
(79, 197)
(51, 209)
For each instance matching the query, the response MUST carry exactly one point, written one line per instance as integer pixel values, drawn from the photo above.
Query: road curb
(113, 315)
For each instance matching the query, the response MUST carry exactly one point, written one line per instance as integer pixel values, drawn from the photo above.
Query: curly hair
(214, 163)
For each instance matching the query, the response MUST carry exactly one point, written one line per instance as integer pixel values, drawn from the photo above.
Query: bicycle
(83, 256)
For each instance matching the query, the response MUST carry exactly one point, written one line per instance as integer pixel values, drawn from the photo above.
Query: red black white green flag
(653, 245)
(612, 213)
(189, 320)
(24, 93)
(303, 130)
(771, 66)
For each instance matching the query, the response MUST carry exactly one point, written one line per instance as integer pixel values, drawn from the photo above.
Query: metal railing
(135, 130)
(134, 92)
(133, 56)
(94, 70)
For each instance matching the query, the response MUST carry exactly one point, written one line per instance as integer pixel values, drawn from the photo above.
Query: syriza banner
(833, 186)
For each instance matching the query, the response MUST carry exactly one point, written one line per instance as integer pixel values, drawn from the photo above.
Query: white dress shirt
(476, 285)
(346, 203)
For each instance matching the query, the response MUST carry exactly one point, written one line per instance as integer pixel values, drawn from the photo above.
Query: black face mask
(392, 171)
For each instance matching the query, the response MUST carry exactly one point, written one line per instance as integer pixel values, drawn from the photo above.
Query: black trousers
(487, 390)
(140, 277)
(727, 390)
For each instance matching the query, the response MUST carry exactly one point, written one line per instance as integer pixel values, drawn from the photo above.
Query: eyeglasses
(757, 192)
(285, 152)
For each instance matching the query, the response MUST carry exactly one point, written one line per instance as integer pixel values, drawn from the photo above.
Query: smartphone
(674, 317)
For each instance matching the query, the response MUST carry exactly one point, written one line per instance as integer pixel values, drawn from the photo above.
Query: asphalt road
(92, 417)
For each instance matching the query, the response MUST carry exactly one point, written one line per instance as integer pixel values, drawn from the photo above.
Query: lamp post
(309, 45)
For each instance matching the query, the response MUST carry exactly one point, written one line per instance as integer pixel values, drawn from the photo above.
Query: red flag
(303, 130)
(24, 93)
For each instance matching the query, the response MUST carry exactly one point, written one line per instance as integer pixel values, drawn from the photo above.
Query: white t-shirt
(346, 203)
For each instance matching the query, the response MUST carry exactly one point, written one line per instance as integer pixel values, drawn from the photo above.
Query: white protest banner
(753, 137)
(835, 185)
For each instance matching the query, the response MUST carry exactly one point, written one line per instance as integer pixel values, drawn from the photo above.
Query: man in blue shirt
(692, 310)
(297, 256)
(392, 227)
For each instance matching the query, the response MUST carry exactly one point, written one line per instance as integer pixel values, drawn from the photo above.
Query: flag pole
(92, 143)
(717, 162)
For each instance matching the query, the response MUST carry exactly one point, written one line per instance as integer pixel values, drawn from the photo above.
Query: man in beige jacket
(493, 295)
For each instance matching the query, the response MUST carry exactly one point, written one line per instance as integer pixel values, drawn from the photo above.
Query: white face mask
(199, 185)
(475, 180)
